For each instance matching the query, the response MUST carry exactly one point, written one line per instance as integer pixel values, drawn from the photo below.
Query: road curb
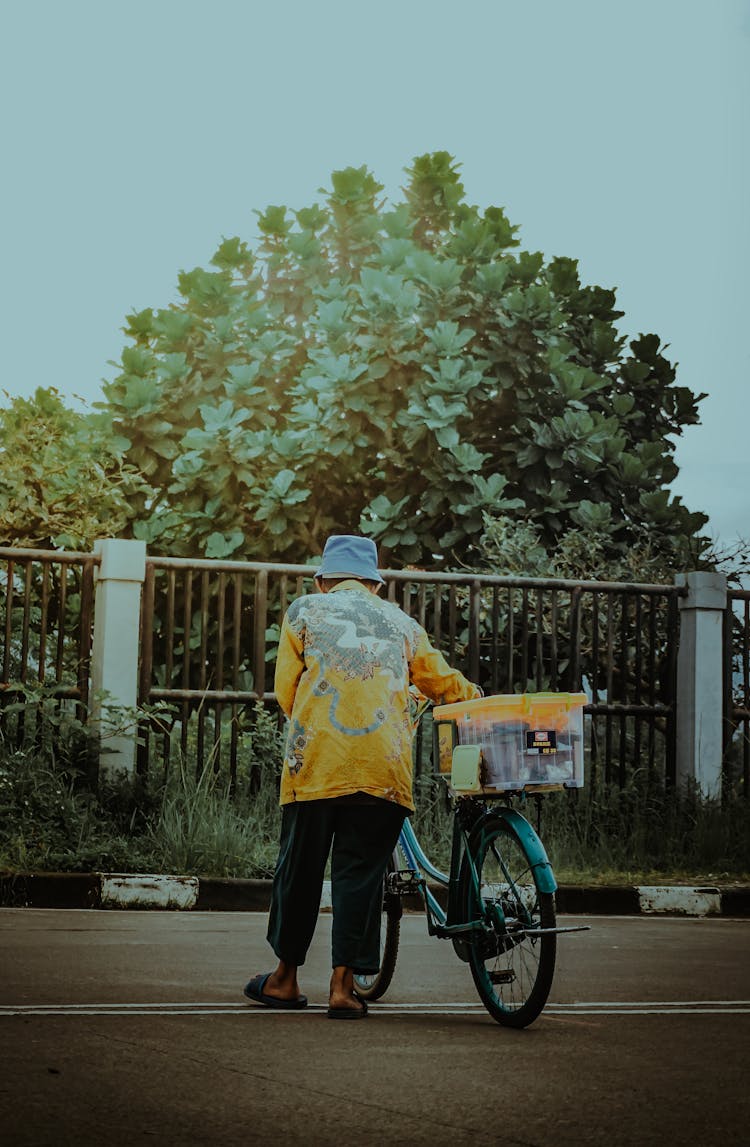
(224, 894)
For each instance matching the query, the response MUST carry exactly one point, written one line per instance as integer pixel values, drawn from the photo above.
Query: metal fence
(47, 620)
(209, 632)
(737, 689)
(207, 640)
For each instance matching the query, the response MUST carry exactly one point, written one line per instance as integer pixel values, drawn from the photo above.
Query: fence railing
(206, 644)
(47, 619)
(209, 631)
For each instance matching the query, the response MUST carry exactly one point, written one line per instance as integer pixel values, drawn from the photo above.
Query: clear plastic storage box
(526, 740)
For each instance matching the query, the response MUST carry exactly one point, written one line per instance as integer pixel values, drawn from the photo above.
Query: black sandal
(349, 1013)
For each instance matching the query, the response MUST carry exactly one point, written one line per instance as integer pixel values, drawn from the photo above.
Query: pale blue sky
(136, 135)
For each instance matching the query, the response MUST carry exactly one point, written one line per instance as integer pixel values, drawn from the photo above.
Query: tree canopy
(62, 482)
(402, 370)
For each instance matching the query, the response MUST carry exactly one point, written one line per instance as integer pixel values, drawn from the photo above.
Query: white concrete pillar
(700, 681)
(114, 655)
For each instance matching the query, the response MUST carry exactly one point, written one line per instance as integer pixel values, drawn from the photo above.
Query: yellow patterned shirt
(345, 662)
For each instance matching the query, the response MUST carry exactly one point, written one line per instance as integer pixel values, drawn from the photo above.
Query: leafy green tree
(400, 370)
(62, 482)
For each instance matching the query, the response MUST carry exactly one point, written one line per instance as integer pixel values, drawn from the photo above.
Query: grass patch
(54, 818)
(643, 834)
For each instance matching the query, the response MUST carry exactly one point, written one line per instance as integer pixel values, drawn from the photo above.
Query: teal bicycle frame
(448, 924)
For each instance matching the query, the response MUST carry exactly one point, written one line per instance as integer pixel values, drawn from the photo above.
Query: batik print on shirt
(343, 671)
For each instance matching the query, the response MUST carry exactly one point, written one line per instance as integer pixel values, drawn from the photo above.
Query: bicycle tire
(512, 971)
(373, 987)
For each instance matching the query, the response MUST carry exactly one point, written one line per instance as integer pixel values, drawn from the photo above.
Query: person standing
(345, 662)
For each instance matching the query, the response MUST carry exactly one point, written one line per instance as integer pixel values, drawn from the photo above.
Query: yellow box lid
(502, 706)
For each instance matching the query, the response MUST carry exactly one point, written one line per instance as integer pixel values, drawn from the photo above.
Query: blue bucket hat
(346, 555)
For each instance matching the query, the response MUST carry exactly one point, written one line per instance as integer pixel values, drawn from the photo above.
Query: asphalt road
(130, 1027)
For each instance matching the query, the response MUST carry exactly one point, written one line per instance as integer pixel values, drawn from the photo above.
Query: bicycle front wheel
(512, 969)
(374, 986)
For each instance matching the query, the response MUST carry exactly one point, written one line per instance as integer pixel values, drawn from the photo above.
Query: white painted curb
(680, 901)
(664, 900)
(155, 891)
(118, 890)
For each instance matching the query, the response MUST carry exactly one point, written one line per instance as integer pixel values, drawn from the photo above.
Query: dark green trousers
(360, 838)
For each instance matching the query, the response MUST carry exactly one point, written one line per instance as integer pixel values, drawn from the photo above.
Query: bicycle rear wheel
(512, 970)
(374, 986)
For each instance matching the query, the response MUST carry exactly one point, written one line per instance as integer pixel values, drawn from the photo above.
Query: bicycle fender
(534, 849)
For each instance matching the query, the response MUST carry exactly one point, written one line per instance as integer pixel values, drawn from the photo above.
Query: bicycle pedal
(505, 976)
(404, 881)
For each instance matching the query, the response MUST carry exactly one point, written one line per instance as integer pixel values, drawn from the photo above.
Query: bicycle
(500, 912)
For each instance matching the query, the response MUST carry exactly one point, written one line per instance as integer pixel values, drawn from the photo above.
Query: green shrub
(641, 833)
(53, 816)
